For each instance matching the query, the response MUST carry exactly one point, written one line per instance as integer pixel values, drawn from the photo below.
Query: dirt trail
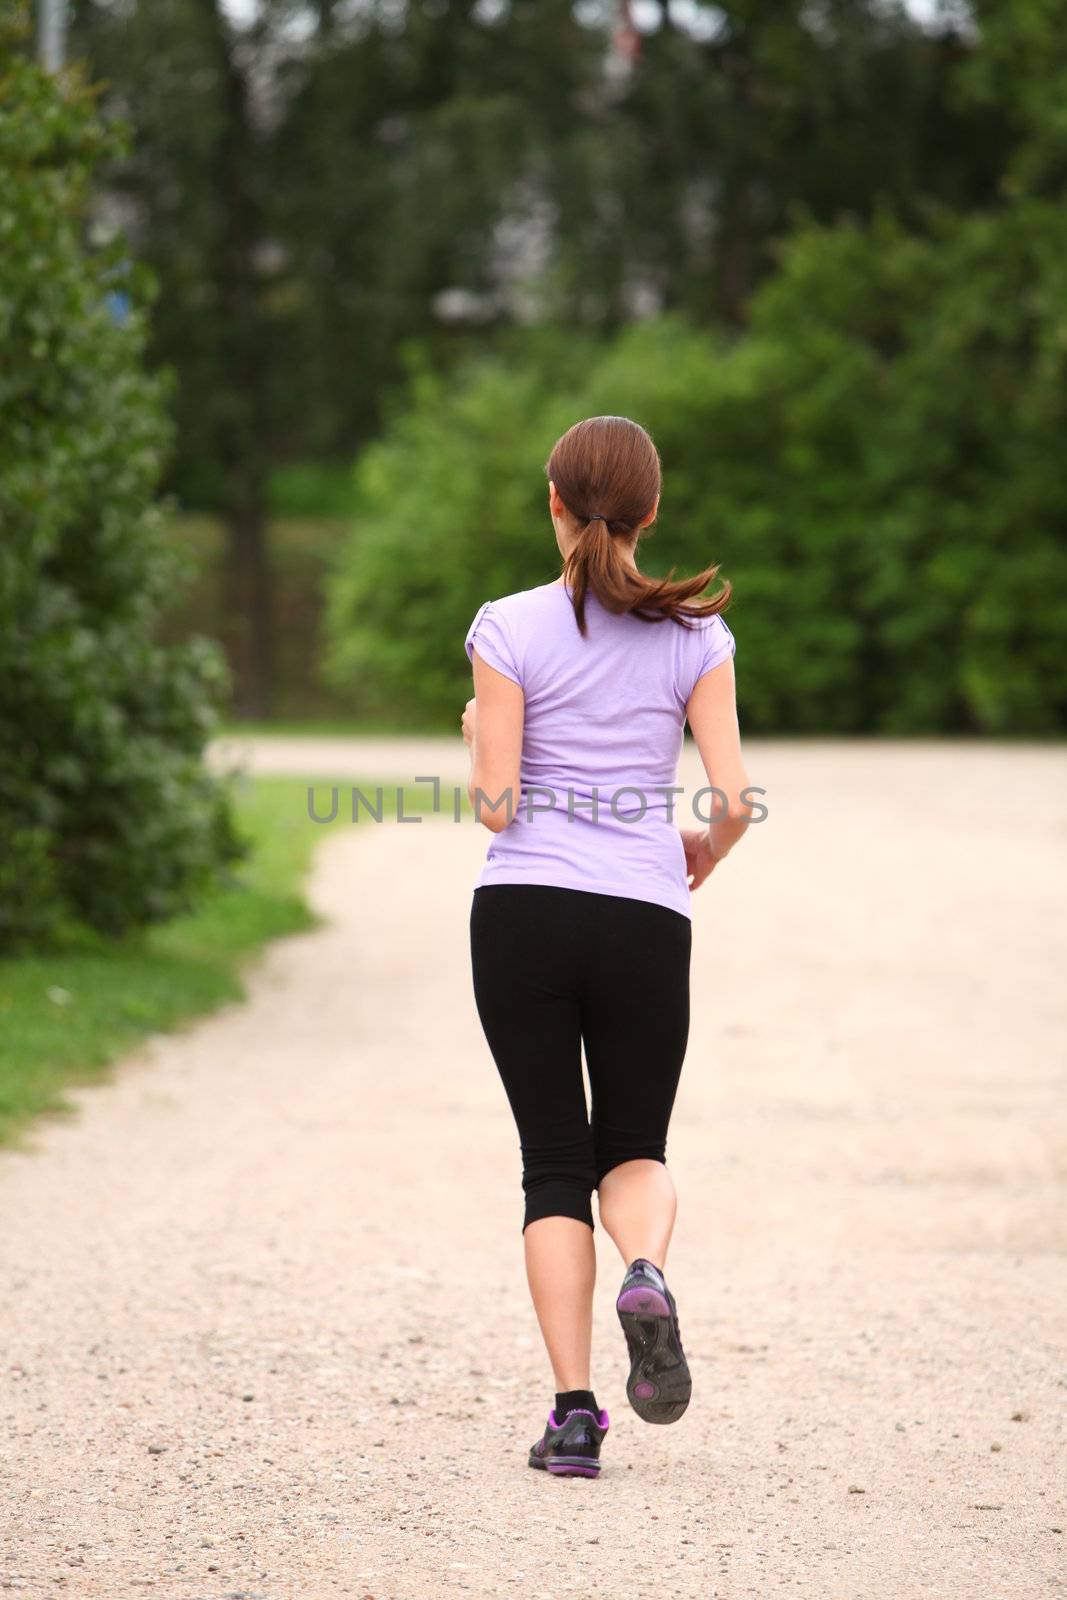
(264, 1323)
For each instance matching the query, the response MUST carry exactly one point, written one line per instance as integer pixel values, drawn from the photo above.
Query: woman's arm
(712, 716)
(492, 727)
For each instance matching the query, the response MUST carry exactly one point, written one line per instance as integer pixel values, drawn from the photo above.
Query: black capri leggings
(554, 968)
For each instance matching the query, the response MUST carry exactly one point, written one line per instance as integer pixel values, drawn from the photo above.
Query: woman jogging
(580, 924)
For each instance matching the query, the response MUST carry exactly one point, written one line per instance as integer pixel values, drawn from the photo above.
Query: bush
(106, 813)
(915, 408)
(875, 463)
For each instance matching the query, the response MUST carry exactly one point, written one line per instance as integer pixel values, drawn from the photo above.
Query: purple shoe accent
(645, 1391)
(566, 1469)
(643, 1302)
(603, 1421)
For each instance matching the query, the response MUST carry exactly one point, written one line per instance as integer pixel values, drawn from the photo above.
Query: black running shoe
(571, 1448)
(659, 1385)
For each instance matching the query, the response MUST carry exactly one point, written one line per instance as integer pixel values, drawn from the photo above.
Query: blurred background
(296, 296)
(818, 249)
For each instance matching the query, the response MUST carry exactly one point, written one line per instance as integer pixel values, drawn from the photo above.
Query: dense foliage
(876, 462)
(314, 199)
(815, 248)
(319, 187)
(106, 814)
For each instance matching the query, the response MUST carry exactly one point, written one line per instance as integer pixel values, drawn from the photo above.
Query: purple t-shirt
(604, 722)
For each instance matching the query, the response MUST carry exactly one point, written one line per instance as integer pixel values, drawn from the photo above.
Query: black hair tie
(597, 516)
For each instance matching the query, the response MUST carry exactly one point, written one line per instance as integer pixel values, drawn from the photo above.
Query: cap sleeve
(716, 644)
(489, 632)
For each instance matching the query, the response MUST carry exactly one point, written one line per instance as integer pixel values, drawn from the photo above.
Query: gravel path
(264, 1323)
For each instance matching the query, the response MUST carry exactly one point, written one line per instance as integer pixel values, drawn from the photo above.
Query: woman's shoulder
(525, 601)
(525, 607)
(712, 642)
(713, 626)
(504, 628)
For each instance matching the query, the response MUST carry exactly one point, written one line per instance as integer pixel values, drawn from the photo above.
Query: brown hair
(606, 471)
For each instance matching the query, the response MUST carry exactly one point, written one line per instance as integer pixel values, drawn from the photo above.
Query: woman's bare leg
(561, 1271)
(637, 1208)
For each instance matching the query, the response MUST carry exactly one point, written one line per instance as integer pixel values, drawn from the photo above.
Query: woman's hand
(699, 861)
(468, 723)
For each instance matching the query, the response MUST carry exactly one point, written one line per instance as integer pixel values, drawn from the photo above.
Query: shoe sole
(659, 1386)
(568, 1467)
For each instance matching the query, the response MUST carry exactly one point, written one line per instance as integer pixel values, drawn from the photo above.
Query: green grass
(66, 1014)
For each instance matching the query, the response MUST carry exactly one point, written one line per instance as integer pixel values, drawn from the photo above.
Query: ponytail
(597, 565)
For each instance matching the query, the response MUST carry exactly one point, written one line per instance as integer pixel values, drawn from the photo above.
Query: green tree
(420, 161)
(195, 184)
(917, 387)
(876, 460)
(304, 206)
(1020, 75)
(320, 187)
(750, 117)
(875, 463)
(106, 813)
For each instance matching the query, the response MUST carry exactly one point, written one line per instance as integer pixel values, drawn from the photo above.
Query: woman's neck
(628, 557)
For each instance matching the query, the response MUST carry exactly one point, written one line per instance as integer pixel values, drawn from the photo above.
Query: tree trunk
(735, 279)
(243, 437)
(250, 609)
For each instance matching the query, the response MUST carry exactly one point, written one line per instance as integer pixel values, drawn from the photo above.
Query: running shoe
(659, 1385)
(571, 1448)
